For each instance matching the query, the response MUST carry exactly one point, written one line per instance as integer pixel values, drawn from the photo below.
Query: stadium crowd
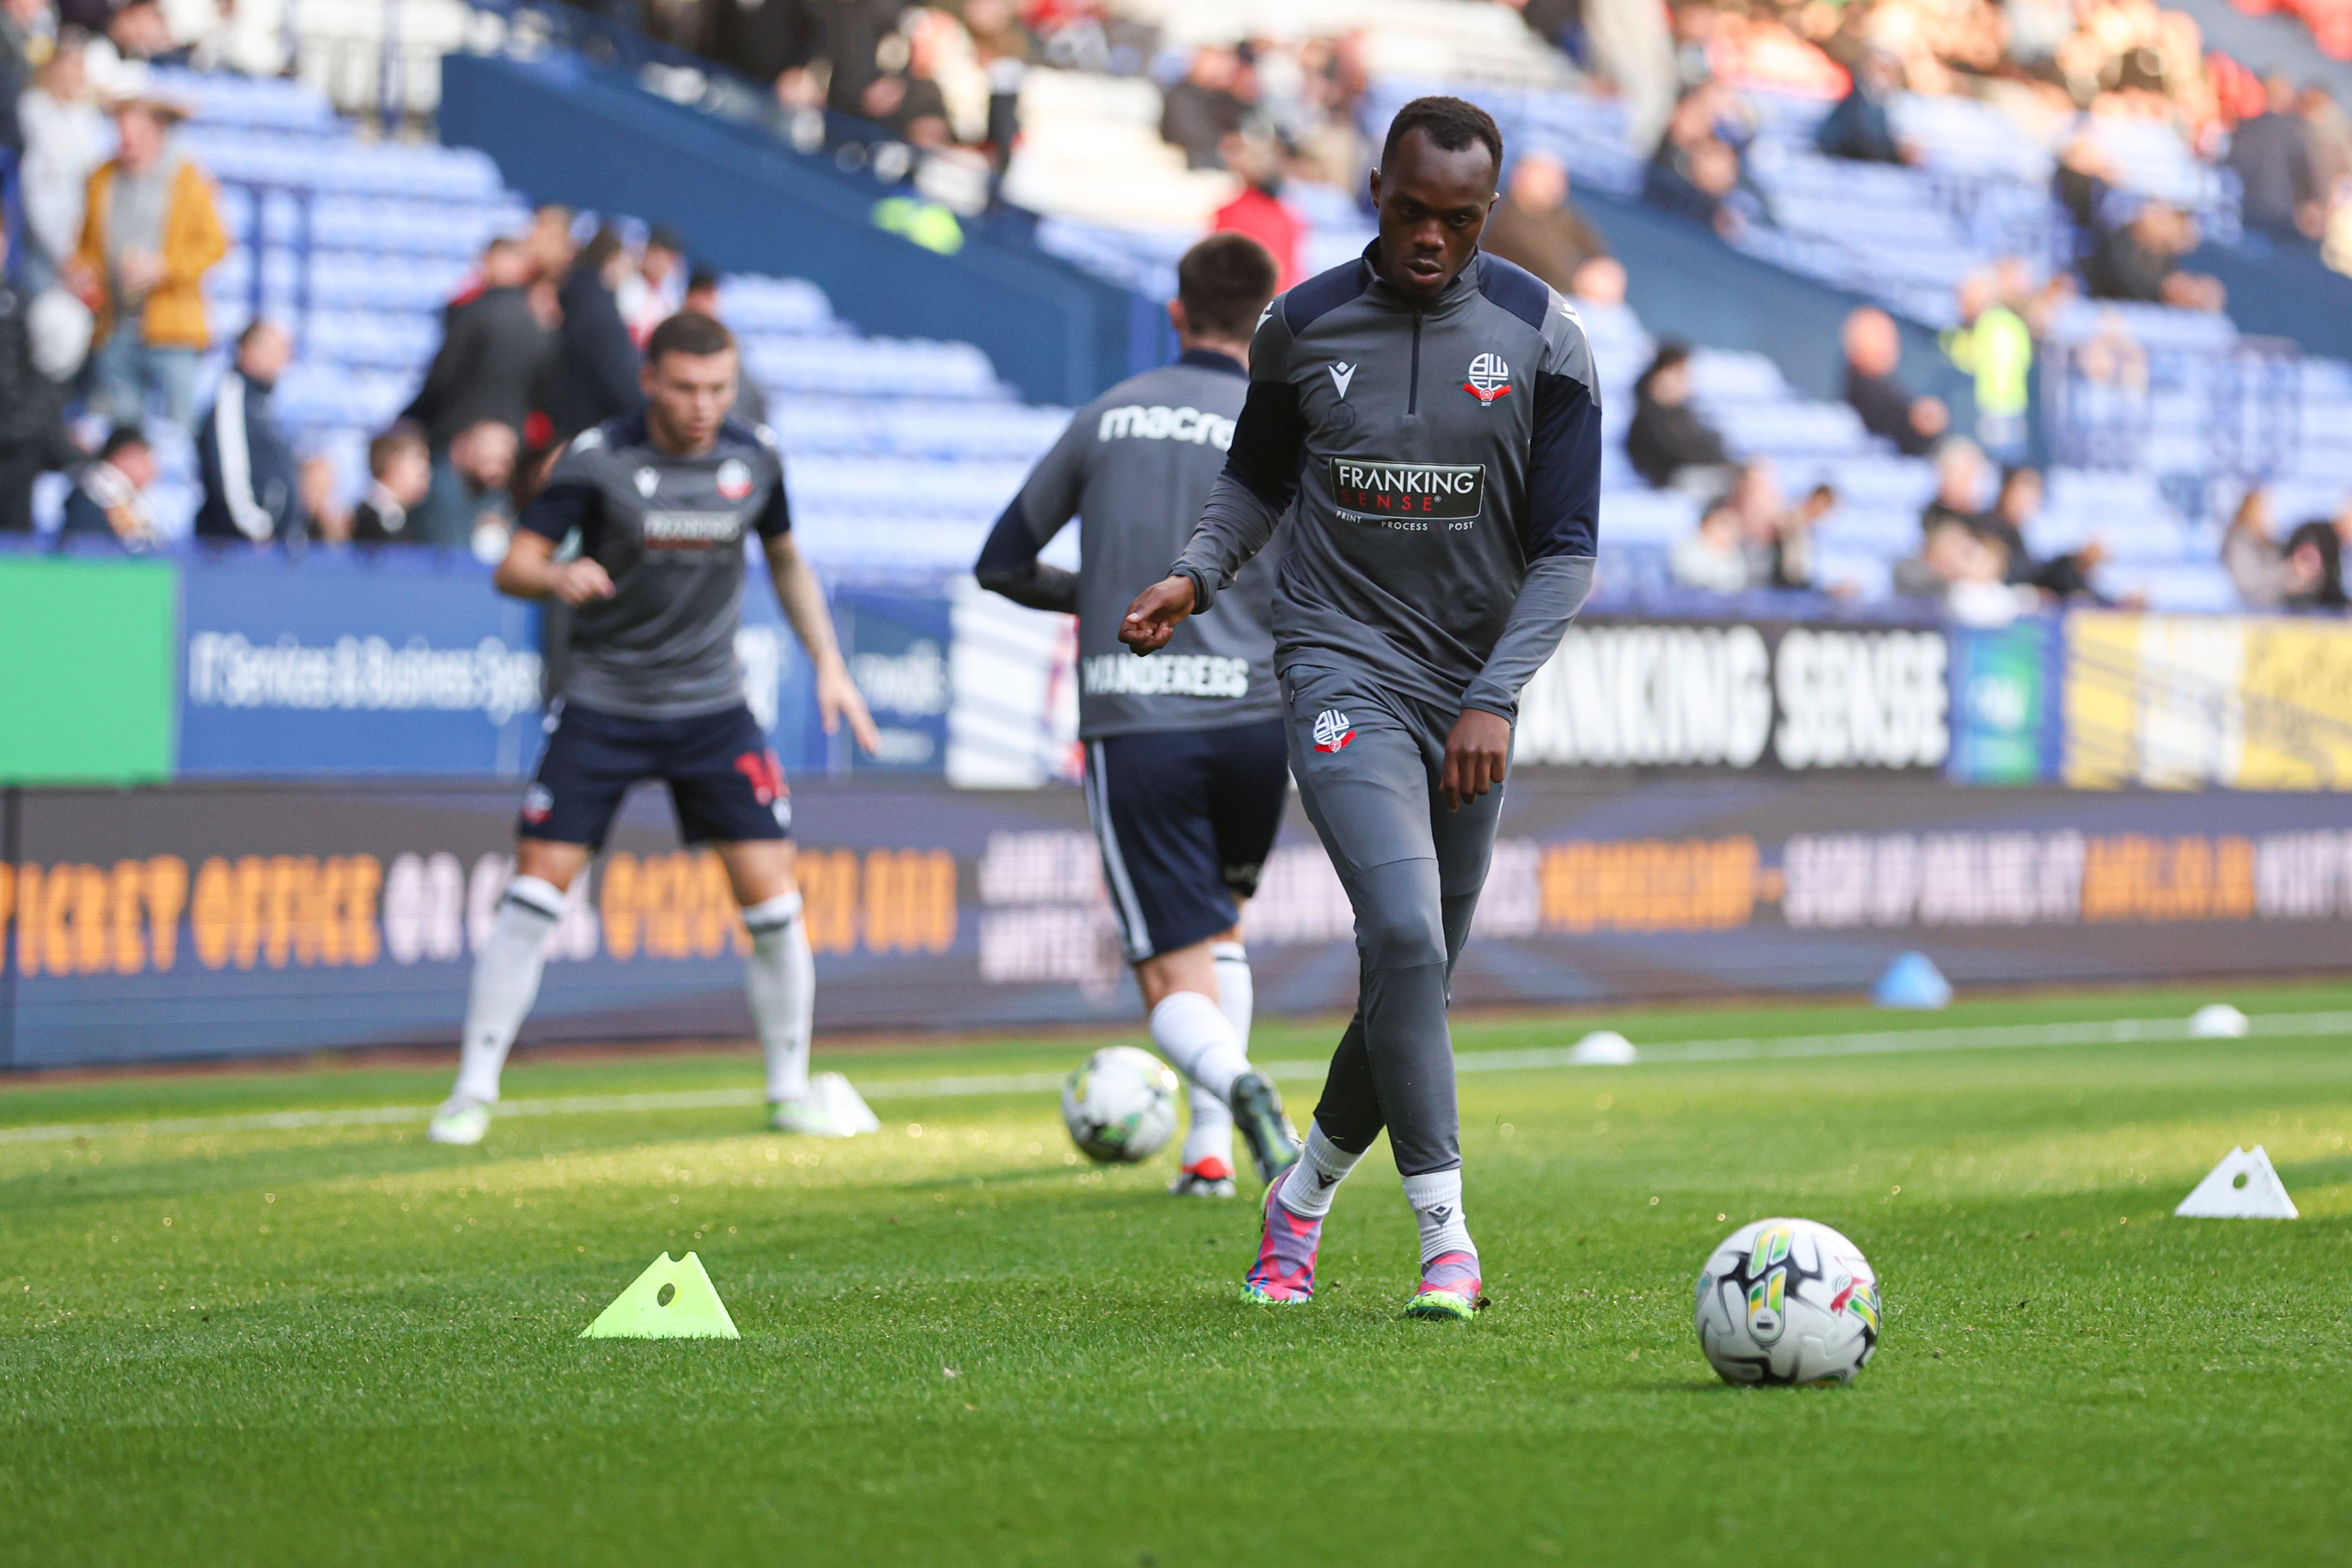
(114, 228)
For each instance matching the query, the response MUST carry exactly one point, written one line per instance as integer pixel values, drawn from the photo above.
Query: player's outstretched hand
(838, 698)
(1477, 752)
(1152, 619)
(579, 582)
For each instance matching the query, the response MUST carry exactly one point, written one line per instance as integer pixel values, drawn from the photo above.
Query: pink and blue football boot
(1449, 1288)
(1284, 1269)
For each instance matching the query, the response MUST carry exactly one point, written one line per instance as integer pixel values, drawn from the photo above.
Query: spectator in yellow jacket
(149, 231)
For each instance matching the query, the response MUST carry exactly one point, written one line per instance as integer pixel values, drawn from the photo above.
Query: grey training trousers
(1368, 763)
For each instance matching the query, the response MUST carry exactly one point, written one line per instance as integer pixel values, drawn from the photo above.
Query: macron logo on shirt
(1159, 422)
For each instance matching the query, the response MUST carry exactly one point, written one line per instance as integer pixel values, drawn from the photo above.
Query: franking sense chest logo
(692, 530)
(1374, 491)
(1490, 378)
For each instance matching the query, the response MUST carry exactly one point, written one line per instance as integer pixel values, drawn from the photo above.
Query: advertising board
(1740, 695)
(206, 920)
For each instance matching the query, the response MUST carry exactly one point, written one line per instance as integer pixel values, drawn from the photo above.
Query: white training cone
(2245, 1185)
(843, 1104)
(2217, 1020)
(1603, 1047)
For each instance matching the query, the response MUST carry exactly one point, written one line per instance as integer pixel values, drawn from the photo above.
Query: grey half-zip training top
(1440, 470)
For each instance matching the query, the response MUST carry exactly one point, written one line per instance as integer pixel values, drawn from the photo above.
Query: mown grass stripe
(1873, 1043)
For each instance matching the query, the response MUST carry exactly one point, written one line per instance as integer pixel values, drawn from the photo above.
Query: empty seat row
(293, 218)
(854, 487)
(331, 163)
(867, 366)
(788, 305)
(229, 99)
(913, 428)
(1789, 427)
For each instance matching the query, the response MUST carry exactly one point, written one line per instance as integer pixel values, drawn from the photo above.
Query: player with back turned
(1427, 418)
(664, 502)
(1186, 776)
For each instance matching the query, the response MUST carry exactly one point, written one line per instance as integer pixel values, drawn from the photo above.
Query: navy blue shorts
(1185, 818)
(725, 783)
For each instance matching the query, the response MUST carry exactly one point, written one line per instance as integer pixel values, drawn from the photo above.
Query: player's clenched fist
(1477, 754)
(1157, 612)
(579, 582)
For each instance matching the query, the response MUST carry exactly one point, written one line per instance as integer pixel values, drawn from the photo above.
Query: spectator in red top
(1259, 212)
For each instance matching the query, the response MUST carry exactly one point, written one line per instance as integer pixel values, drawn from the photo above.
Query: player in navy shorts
(1186, 771)
(662, 502)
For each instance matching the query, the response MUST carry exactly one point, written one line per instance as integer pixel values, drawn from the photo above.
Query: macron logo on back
(1342, 376)
(1159, 422)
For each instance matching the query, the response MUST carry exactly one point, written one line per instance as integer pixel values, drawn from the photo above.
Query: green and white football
(1120, 1105)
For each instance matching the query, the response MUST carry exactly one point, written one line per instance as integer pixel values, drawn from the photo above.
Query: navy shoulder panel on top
(737, 431)
(624, 432)
(1324, 293)
(1515, 289)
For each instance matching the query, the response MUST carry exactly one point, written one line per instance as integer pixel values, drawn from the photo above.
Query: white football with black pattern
(1788, 1301)
(1120, 1105)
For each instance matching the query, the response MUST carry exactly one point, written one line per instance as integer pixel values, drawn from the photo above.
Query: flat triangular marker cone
(2244, 1186)
(1913, 981)
(694, 1310)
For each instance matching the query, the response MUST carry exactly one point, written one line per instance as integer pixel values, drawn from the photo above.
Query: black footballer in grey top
(1136, 465)
(669, 531)
(1444, 463)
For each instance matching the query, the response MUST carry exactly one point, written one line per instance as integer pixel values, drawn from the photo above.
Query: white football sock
(1192, 1033)
(1211, 1136)
(506, 982)
(1436, 1201)
(1236, 992)
(1316, 1181)
(780, 978)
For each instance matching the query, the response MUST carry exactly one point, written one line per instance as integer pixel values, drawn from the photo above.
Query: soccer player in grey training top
(663, 502)
(1432, 413)
(1186, 772)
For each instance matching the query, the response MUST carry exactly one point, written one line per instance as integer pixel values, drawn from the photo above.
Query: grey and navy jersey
(669, 531)
(1445, 466)
(1136, 465)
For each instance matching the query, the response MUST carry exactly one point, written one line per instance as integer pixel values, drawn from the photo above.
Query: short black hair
(1223, 283)
(688, 332)
(602, 247)
(700, 278)
(665, 238)
(1453, 123)
(120, 439)
(1670, 351)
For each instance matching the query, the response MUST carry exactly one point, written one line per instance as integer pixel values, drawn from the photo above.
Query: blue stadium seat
(2182, 588)
(1648, 517)
(780, 305)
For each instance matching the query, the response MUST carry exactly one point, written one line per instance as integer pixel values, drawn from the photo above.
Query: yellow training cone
(668, 1300)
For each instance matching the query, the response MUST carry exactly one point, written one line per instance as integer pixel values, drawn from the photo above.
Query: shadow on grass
(1680, 1386)
(2316, 1172)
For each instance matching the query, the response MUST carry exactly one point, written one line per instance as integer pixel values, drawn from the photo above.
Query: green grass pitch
(328, 1340)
